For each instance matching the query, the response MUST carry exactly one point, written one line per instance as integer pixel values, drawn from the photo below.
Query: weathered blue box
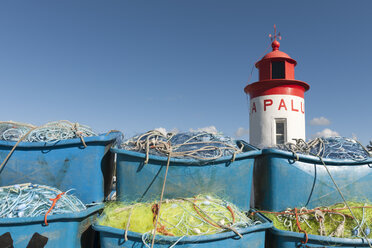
(281, 182)
(63, 230)
(231, 181)
(285, 239)
(64, 165)
(253, 237)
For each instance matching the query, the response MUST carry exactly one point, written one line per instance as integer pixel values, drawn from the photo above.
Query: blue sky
(139, 65)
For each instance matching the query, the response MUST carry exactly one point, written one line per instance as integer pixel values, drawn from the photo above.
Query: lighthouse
(277, 104)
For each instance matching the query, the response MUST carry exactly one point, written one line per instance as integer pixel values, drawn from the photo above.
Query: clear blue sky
(139, 65)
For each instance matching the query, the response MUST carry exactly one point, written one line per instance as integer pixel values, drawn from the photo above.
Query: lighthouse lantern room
(277, 106)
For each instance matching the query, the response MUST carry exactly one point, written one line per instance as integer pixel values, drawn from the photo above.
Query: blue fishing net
(200, 145)
(331, 147)
(49, 132)
(31, 200)
(13, 131)
(369, 147)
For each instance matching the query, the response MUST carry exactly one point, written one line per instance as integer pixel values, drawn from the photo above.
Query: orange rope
(232, 213)
(161, 229)
(154, 210)
(300, 229)
(53, 204)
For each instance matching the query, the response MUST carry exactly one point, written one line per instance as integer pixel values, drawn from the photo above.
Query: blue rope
(50, 132)
(30, 200)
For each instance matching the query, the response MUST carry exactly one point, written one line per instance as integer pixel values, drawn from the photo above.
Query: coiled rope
(202, 146)
(49, 132)
(332, 147)
(31, 200)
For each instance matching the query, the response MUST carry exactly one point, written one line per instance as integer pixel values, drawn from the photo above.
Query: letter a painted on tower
(254, 108)
(282, 104)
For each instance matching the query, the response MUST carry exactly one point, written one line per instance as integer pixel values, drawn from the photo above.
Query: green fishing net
(334, 221)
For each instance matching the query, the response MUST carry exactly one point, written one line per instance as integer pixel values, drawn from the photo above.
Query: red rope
(300, 229)
(53, 204)
(161, 229)
(232, 213)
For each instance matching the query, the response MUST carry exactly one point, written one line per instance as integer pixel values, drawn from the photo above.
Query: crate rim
(188, 239)
(52, 218)
(319, 238)
(313, 159)
(311, 237)
(224, 159)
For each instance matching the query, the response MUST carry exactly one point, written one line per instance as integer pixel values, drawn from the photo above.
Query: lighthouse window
(280, 128)
(277, 69)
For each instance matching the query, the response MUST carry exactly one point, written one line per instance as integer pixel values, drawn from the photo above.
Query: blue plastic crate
(64, 165)
(63, 230)
(281, 182)
(253, 237)
(285, 239)
(231, 181)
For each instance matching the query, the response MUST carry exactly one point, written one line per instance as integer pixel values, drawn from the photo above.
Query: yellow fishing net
(201, 215)
(334, 221)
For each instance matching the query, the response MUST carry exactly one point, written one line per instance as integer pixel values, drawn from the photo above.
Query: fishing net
(333, 221)
(13, 131)
(332, 147)
(49, 132)
(369, 147)
(30, 200)
(202, 215)
(199, 145)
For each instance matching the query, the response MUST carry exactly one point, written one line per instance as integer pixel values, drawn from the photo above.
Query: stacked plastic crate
(140, 178)
(84, 164)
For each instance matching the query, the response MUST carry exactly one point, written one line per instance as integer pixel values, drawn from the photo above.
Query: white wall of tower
(265, 110)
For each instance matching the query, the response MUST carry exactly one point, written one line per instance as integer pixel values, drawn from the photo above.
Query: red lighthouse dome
(276, 75)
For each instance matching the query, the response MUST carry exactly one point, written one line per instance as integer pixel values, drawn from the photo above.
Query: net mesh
(202, 215)
(333, 221)
(200, 145)
(331, 147)
(49, 132)
(31, 200)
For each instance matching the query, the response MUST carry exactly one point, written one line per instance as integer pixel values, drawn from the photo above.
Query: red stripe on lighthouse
(292, 90)
(273, 87)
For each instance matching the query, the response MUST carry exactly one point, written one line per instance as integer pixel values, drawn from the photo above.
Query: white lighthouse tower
(277, 105)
